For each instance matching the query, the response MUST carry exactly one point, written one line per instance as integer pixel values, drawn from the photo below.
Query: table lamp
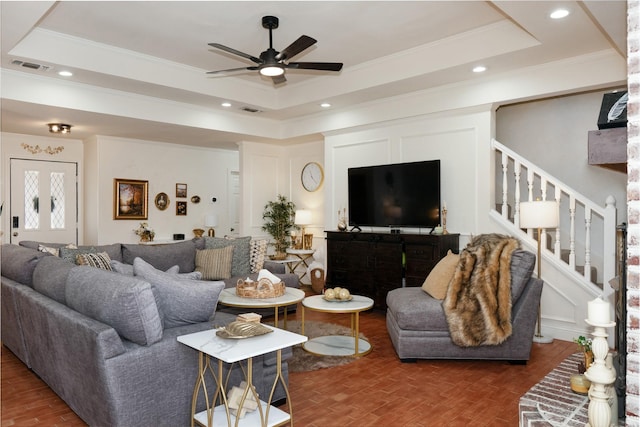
(539, 214)
(303, 218)
(211, 221)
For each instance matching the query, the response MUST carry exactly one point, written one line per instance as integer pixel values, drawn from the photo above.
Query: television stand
(371, 264)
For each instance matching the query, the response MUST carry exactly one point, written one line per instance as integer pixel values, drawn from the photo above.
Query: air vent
(251, 110)
(30, 65)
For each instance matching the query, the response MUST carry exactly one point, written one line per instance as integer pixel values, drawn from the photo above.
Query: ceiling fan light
(272, 71)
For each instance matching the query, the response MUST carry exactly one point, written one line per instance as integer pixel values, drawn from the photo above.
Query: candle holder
(444, 221)
(602, 377)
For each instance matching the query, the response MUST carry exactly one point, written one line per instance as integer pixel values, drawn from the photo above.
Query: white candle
(444, 205)
(598, 312)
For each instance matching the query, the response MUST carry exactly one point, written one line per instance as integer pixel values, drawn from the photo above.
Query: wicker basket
(260, 289)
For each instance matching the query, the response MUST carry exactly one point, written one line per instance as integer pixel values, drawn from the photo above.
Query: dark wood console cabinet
(371, 264)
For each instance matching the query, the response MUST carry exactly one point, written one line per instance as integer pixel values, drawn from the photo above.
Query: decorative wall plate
(162, 201)
(195, 199)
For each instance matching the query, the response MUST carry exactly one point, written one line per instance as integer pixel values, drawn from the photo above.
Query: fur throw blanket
(478, 301)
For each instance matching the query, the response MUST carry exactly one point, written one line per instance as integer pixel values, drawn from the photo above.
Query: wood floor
(375, 390)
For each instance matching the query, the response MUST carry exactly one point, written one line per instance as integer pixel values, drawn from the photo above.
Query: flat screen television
(395, 195)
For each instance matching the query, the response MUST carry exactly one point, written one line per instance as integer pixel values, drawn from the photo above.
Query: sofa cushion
(50, 278)
(437, 281)
(181, 301)
(257, 254)
(163, 257)
(415, 310)
(522, 263)
(241, 265)
(125, 303)
(114, 250)
(215, 264)
(19, 262)
(99, 260)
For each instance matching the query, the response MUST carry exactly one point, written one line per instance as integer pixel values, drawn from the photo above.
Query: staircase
(583, 246)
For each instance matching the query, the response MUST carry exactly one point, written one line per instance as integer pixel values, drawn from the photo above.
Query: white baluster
(556, 246)
(517, 170)
(505, 185)
(572, 232)
(587, 243)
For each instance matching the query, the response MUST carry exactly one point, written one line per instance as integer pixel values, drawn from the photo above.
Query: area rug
(303, 361)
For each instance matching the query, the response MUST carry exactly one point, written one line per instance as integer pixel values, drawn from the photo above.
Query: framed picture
(181, 190)
(162, 201)
(130, 199)
(181, 208)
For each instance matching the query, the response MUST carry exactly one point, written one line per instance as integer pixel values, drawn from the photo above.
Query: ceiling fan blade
(296, 47)
(279, 79)
(233, 69)
(324, 66)
(236, 52)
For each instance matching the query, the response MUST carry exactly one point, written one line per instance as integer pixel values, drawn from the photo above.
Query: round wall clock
(312, 176)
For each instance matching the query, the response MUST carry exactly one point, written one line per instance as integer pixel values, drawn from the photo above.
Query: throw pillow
(241, 265)
(54, 250)
(99, 260)
(181, 301)
(257, 254)
(215, 264)
(127, 269)
(127, 304)
(71, 254)
(437, 281)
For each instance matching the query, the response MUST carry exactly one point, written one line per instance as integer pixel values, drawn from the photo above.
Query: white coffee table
(338, 345)
(226, 350)
(291, 296)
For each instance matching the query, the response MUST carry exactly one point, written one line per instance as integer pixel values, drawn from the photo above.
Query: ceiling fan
(272, 63)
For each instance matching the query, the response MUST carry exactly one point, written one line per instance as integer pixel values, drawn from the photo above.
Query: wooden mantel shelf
(608, 148)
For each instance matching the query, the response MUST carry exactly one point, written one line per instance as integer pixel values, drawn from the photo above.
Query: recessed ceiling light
(325, 105)
(226, 104)
(559, 14)
(479, 69)
(65, 73)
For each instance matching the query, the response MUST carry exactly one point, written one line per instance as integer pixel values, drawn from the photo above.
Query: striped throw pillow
(214, 264)
(258, 252)
(99, 260)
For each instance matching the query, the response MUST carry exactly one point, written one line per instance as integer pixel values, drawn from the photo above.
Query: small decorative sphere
(344, 294)
(330, 294)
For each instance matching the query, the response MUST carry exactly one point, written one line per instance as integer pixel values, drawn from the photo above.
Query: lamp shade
(210, 220)
(303, 217)
(539, 214)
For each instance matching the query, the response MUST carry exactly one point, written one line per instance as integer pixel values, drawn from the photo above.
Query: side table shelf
(209, 347)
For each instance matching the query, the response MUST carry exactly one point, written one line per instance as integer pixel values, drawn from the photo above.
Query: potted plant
(279, 215)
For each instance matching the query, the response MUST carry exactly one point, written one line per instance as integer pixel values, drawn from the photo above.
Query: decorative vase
(146, 237)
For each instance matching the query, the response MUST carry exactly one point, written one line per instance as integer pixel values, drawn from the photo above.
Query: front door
(44, 201)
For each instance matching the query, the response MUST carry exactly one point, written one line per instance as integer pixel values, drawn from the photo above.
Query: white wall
(269, 170)
(552, 133)
(205, 171)
(460, 140)
(11, 148)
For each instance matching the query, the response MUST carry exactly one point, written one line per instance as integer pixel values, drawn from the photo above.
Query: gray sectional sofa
(105, 342)
(418, 328)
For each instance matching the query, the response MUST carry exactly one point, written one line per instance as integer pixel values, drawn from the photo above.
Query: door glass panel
(31, 201)
(57, 200)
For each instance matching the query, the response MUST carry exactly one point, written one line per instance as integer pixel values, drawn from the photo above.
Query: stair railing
(585, 249)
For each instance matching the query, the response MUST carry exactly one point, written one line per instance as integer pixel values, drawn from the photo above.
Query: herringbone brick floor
(375, 390)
